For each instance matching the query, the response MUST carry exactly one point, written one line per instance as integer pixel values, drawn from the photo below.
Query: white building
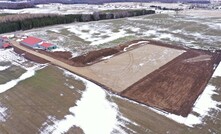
(215, 1)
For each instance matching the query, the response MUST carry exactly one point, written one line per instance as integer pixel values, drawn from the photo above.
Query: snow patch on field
(2, 68)
(29, 73)
(107, 57)
(150, 32)
(99, 119)
(134, 44)
(168, 36)
(96, 34)
(12, 83)
(59, 49)
(53, 8)
(202, 106)
(3, 113)
(205, 102)
(9, 55)
(113, 36)
(213, 25)
(217, 71)
(55, 30)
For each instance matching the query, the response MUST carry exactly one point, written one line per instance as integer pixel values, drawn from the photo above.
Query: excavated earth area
(159, 75)
(175, 86)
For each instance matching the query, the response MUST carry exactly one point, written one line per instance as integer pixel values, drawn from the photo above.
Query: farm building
(31, 42)
(6, 45)
(4, 42)
(47, 46)
(36, 43)
(2, 39)
(1, 43)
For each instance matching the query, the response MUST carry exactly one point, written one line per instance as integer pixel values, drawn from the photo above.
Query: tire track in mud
(124, 70)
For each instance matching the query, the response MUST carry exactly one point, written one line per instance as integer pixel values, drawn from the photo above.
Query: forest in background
(12, 23)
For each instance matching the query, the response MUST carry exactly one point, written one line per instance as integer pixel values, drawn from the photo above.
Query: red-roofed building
(47, 46)
(6, 45)
(36, 43)
(3, 40)
(31, 42)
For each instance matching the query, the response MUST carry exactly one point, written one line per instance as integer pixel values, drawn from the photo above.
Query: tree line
(47, 20)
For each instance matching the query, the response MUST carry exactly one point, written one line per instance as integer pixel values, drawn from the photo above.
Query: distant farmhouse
(19, 4)
(4, 42)
(215, 1)
(15, 4)
(1, 41)
(36, 43)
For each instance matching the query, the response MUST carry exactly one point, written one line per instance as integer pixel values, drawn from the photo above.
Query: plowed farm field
(175, 86)
(170, 79)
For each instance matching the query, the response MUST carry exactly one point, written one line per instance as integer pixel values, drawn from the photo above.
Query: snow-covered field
(96, 34)
(104, 116)
(186, 30)
(10, 56)
(56, 8)
(203, 33)
(94, 114)
(105, 112)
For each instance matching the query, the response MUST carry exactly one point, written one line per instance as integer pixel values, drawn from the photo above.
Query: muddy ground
(176, 86)
(121, 71)
(29, 56)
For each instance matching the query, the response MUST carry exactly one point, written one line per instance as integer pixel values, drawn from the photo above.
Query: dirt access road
(82, 71)
(112, 72)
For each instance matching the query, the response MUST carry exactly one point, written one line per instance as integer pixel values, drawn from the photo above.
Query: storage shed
(1, 43)
(3, 39)
(6, 45)
(31, 42)
(48, 46)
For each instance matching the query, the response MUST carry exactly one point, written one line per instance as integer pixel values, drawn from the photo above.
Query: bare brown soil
(175, 86)
(93, 56)
(29, 56)
(132, 65)
(82, 60)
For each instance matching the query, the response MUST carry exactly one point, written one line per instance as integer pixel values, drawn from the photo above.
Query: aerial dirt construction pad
(121, 71)
(159, 75)
(176, 86)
